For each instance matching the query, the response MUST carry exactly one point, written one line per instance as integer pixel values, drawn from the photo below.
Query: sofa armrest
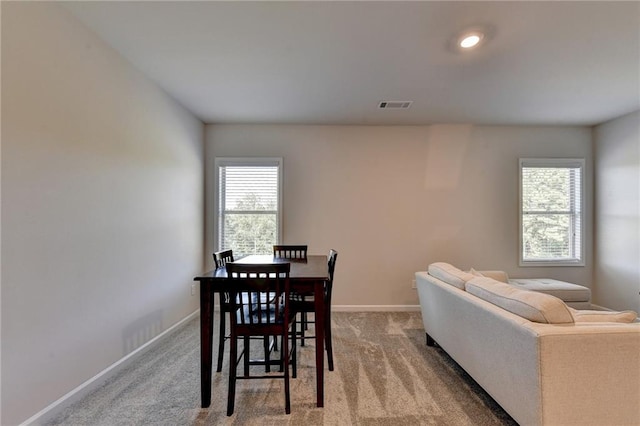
(589, 373)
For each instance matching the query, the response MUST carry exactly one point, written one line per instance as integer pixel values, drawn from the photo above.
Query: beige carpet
(384, 375)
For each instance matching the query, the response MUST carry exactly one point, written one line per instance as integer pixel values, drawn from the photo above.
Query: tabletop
(314, 268)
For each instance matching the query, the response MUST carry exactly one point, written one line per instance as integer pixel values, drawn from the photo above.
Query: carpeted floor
(384, 375)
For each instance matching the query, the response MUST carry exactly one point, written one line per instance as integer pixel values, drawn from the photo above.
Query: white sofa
(547, 364)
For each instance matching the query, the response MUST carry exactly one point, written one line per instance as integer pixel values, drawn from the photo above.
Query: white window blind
(248, 205)
(551, 208)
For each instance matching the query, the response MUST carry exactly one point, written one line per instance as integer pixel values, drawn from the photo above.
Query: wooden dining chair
(306, 304)
(290, 251)
(294, 252)
(259, 315)
(221, 258)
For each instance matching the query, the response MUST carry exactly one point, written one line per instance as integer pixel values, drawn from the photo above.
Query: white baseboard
(375, 308)
(55, 408)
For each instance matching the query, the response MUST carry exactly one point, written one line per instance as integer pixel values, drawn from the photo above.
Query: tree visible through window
(551, 211)
(248, 205)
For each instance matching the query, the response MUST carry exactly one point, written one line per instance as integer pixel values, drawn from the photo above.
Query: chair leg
(282, 355)
(287, 393)
(247, 356)
(233, 364)
(223, 330)
(294, 355)
(267, 358)
(327, 338)
(303, 327)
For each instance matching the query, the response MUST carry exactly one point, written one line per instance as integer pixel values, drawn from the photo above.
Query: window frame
(552, 163)
(247, 162)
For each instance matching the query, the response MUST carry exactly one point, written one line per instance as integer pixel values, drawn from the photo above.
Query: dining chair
(259, 315)
(290, 251)
(305, 304)
(221, 258)
(294, 252)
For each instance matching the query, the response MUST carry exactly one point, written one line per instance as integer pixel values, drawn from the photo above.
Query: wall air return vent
(394, 104)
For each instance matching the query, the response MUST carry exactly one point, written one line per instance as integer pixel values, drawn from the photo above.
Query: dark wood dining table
(306, 276)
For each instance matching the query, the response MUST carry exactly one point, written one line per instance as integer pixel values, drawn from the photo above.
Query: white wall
(391, 200)
(617, 213)
(102, 207)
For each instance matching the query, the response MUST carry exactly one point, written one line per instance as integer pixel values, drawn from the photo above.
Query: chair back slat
(290, 251)
(221, 258)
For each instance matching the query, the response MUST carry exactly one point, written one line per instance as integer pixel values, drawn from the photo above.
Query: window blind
(551, 212)
(248, 207)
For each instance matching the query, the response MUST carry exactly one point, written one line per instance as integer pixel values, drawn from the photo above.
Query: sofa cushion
(568, 292)
(449, 274)
(476, 273)
(534, 306)
(496, 275)
(603, 316)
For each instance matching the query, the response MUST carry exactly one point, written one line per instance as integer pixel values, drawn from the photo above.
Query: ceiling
(313, 62)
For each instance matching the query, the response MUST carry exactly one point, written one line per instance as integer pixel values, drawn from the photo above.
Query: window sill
(547, 263)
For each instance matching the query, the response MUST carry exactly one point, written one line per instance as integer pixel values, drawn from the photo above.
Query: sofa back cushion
(501, 276)
(536, 307)
(449, 274)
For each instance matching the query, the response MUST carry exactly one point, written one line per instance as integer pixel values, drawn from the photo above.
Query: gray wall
(617, 213)
(102, 207)
(391, 200)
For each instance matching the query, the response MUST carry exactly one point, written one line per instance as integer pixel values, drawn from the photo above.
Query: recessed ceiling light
(470, 39)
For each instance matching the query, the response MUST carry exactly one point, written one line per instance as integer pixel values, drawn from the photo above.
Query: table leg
(206, 341)
(319, 307)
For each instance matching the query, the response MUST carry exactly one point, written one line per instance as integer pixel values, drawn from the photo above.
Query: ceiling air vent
(394, 104)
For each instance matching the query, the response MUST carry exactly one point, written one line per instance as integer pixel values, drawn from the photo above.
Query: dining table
(307, 276)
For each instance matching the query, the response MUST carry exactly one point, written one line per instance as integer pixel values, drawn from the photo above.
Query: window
(248, 204)
(551, 206)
